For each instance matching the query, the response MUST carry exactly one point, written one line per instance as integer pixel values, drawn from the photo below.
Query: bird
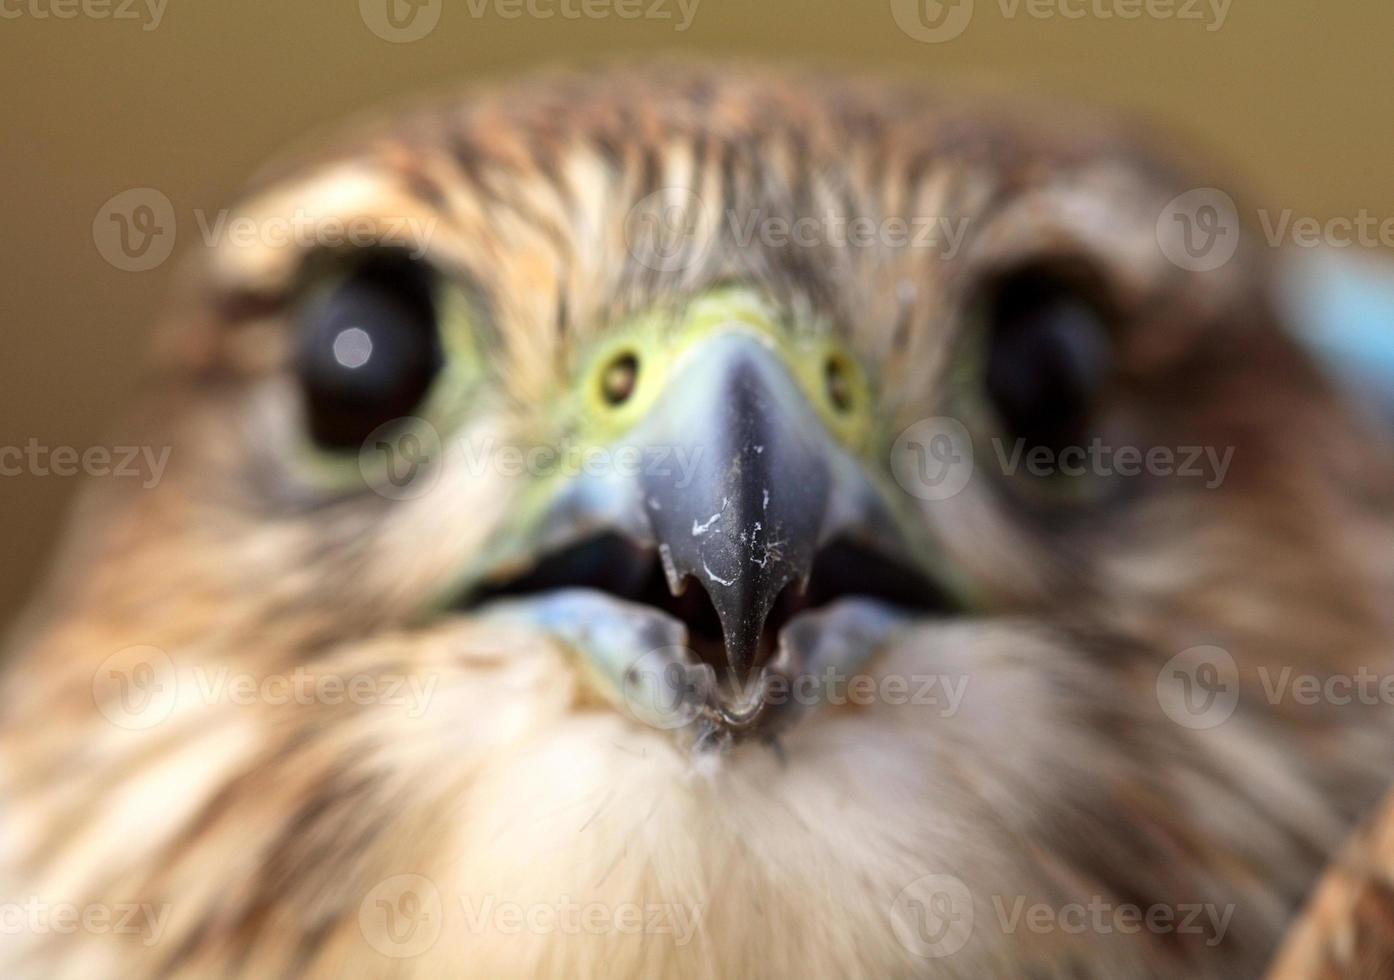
(707, 520)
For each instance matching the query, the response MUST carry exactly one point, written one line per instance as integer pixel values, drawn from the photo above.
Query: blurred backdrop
(190, 96)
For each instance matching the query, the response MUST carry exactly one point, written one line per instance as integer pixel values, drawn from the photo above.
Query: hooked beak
(769, 491)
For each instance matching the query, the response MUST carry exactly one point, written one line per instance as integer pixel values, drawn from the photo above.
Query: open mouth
(612, 564)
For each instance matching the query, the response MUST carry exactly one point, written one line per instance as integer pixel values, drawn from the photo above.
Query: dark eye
(368, 350)
(1049, 354)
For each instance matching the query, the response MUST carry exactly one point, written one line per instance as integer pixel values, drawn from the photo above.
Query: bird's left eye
(368, 349)
(1049, 354)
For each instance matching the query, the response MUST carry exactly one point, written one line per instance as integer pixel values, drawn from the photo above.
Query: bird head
(628, 406)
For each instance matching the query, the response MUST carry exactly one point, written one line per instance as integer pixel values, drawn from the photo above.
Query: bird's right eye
(368, 349)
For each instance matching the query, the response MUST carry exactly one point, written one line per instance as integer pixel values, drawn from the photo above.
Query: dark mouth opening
(618, 566)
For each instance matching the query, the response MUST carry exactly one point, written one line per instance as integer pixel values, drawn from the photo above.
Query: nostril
(619, 379)
(838, 381)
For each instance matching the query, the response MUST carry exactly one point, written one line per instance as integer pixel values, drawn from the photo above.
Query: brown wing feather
(1347, 930)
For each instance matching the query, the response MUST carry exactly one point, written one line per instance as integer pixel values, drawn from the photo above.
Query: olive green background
(1294, 95)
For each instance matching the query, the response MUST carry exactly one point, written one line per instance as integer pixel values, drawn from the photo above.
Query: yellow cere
(653, 347)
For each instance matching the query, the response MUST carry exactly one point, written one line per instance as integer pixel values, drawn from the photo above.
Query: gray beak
(760, 501)
(768, 488)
